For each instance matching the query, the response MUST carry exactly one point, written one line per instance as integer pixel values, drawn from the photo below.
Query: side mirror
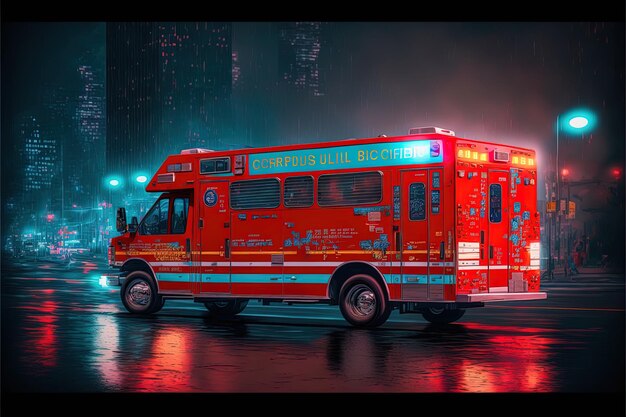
(120, 220)
(134, 225)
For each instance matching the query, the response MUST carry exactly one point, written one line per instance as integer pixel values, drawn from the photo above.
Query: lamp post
(112, 183)
(578, 121)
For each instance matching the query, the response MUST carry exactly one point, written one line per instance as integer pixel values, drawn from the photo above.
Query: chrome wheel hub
(139, 295)
(362, 300)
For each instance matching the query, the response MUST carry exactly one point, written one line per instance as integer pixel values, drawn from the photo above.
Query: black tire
(159, 307)
(228, 308)
(442, 316)
(139, 294)
(363, 302)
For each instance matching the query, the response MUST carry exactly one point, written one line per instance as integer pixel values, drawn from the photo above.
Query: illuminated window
(483, 157)
(460, 153)
(475, 155)
(349, 189)
(522, 160)
(531, 161)
(515, 160)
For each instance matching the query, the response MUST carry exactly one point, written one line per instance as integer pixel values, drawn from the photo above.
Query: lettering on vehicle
(343, 157)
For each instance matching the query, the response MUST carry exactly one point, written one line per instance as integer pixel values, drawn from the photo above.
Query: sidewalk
(589, 275)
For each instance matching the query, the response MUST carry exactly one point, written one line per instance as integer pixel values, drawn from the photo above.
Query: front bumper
(489, 297)
(112, 280)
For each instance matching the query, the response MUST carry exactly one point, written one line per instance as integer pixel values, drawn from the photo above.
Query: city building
(168, 88)
(298, 55)
(195, 82)
(133, 98)
(90, 126)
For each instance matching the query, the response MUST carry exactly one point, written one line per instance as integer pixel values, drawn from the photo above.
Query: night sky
(495, 81)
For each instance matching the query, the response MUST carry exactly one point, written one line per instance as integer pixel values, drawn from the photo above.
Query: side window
(417, 201)
(155, 222)
(495, 203)
(255, 194)
(179, 215)
(298, 192)
(349, 189)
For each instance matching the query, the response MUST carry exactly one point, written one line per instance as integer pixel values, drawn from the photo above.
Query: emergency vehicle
(425, 223)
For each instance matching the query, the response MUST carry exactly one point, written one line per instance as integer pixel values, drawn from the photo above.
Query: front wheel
(139, 294)
(226, 308)
(363, 302)
(442, 316)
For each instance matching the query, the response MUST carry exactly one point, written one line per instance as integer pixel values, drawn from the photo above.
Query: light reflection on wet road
(62, 332)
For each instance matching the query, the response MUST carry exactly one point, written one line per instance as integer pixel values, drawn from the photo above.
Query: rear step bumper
(489, 297)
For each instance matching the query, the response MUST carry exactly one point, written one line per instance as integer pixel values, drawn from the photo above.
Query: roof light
(195, 150)
(430, 129)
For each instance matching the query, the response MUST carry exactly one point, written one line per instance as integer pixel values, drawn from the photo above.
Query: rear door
(214, 226)
(414, 194)
(436, 243)
(498, 233)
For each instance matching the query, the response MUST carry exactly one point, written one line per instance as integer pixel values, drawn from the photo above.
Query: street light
(114, 182)
(579, 121)
(141, 179)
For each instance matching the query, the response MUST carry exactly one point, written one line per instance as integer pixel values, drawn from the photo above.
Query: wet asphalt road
(62, 332)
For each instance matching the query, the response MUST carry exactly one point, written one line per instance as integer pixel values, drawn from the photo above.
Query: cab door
(214, 227)
(498, 233)
(164, 240)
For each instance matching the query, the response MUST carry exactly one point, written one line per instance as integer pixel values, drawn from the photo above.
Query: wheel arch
(138, 264)
(348, 269)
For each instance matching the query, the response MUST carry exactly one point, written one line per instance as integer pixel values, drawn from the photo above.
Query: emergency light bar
(195, 150)
(430, 129)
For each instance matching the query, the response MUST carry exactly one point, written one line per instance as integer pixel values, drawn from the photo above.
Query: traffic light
(565, 173)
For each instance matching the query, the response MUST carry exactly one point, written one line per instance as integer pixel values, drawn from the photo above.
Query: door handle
(442, 250)
(188, 247)
(490, 251)
(396, 236)
(274, 278)
(227, 248)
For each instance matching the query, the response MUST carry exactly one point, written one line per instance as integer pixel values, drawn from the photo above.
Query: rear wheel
(362, 302)
(226, 308)
(442, 316)
(139, 294)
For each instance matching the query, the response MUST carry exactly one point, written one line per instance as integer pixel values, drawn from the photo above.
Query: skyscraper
(298, 55)
(168, 88)
(133, 97)
(90, 123)
(196, 83)
(236, 69)
(40, 157)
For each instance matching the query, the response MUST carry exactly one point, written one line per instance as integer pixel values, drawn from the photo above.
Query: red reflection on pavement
(513, 362)
(40, 346)
(88, 267)
(169, 367)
